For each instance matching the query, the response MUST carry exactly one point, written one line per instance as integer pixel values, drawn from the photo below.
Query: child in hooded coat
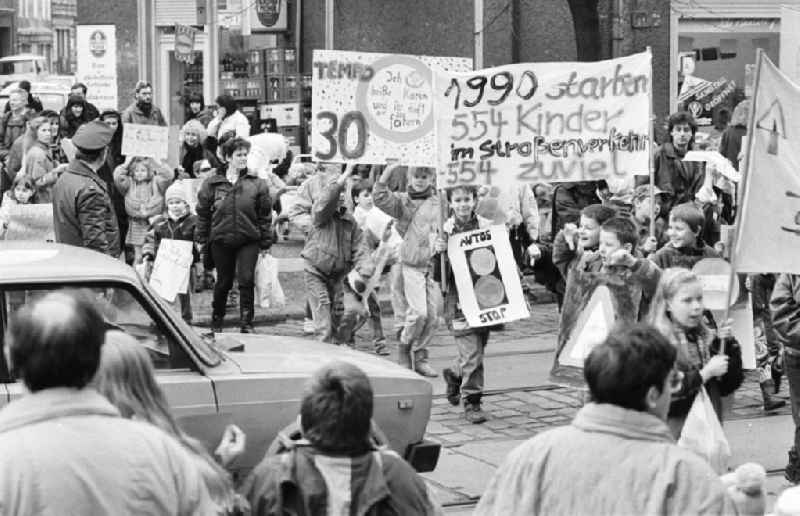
(143, 182)
(178, 223)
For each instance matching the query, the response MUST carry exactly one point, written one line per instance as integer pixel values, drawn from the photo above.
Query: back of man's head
(631, 360)
(55, 341)
(336, 409)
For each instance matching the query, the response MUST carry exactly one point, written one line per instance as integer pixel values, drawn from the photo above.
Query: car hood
(294, 355)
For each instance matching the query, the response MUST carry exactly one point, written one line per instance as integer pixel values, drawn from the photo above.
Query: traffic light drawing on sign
(486, 278)
(489, 288)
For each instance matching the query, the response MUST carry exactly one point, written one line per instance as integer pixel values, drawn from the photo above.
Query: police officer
(82, 210)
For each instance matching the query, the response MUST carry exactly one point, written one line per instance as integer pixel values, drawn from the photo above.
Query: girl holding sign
(143, 182)
(678, 313)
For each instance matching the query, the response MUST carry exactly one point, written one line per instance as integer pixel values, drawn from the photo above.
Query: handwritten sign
(544, 122)
(96, 50)
(170, 275)
(369, 107)
(31, 222)
(489, 289)
(145, 140)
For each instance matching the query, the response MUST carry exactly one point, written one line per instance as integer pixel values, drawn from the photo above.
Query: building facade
(64, 14)
(34, 28)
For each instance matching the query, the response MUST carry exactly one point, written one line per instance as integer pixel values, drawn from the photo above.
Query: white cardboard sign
(489, 289)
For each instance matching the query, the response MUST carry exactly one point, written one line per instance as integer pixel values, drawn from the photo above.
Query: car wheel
(292, 432)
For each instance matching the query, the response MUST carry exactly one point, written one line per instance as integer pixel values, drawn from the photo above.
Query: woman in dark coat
(74, 116)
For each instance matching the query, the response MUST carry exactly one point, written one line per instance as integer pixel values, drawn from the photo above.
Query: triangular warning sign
(592, 327)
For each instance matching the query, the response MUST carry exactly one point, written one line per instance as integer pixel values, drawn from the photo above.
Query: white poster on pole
(170, 275)
(97, 63)
(489, 289)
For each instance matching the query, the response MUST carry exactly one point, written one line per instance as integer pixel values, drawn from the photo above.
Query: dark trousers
(791, 368)
(241, 262)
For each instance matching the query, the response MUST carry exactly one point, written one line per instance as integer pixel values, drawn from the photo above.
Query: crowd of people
(360, 223)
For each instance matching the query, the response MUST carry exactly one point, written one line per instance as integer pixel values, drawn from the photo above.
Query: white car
(52, 95)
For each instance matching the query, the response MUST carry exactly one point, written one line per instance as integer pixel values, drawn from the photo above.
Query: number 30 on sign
(347, 136)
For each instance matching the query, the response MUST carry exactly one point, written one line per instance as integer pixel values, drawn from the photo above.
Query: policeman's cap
(93, 135)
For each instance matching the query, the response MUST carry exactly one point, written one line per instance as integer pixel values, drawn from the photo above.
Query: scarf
(192, 155)
(424, 194)
(233, 175)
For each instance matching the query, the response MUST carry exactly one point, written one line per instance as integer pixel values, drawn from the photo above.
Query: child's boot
(421, 364)
(453, 386)
(770, 403)
(473, 411)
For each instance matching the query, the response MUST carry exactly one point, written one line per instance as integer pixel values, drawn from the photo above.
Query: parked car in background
(31, 67)
(52, 95)
(255, 380)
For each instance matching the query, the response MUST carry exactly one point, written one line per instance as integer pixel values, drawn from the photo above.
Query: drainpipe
(329, 24)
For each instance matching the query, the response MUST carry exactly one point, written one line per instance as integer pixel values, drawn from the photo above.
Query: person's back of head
(56, 341)
(336, 410)
(630, 369)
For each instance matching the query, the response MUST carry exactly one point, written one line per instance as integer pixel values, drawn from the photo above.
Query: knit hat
(177, 190)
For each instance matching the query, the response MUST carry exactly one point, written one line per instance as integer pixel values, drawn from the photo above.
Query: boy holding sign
(465, 378)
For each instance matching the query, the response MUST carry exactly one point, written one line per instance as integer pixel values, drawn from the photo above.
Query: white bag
(702, 433)
(268, 289)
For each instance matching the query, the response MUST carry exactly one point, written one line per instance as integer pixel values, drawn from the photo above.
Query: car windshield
(21, 67)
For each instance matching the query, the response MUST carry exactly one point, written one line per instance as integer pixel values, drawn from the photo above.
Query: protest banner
(145, 140)
(544, 122)
(96, 50)
(170, 275)
(31, 222)
(369, 107)
(768, 237)
(486, 277)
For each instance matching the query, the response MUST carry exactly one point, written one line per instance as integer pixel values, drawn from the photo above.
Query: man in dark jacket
(334, 469)
(82, 211)
(142, 111)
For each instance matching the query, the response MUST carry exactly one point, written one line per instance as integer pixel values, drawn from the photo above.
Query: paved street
(520, 400)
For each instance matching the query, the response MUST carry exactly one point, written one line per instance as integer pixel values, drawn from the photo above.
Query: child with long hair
(126, 378)
(22, 191)
(678, 312)
(143, 182)
(38, 162)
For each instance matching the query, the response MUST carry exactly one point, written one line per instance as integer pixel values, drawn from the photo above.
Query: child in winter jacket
(418, 216)
(465, 378)
(678, 313)
(177, 224)
(142, 181)
(572, 241)
(686, 246)
(333, 247)
(22, 191)
(630, 282)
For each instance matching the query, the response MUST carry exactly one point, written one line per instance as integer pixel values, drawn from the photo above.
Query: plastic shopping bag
(268, 289)
(702, 433)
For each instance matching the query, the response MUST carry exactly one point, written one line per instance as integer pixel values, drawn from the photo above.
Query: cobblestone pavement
(513, 413)
(521, 413)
